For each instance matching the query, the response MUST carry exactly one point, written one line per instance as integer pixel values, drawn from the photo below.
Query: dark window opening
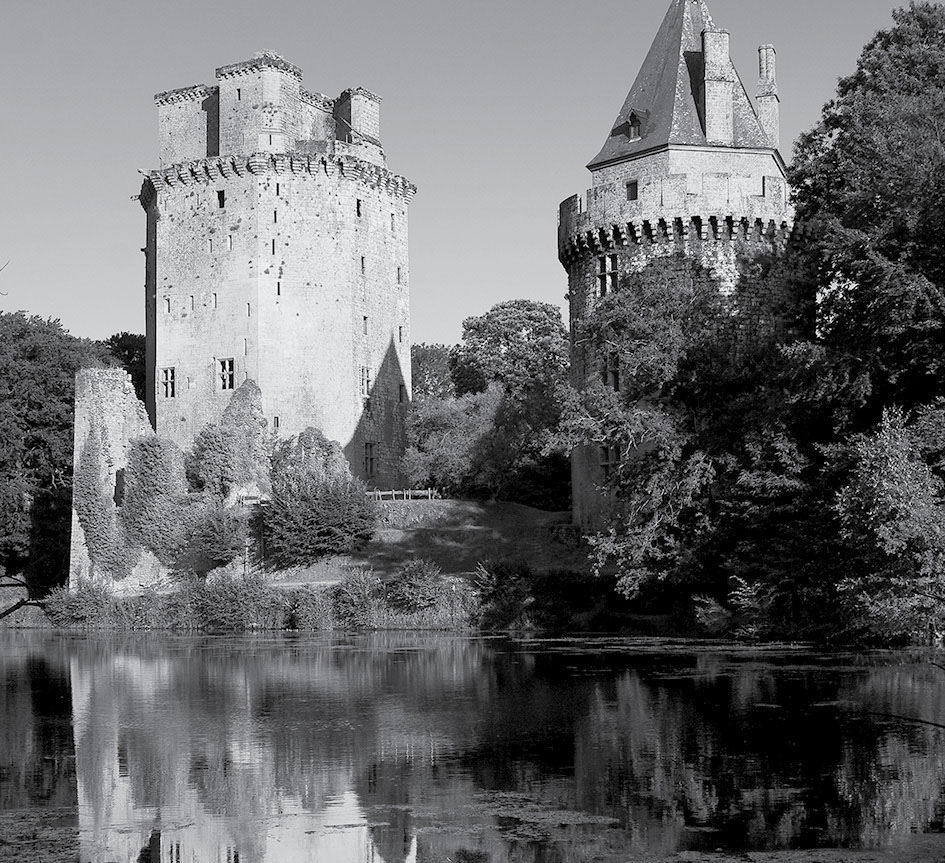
(273, 246)
(363, 265)
(275, 423)
(635, 127)
(633, 190)
(398, 276)
(278, 289)
(239, 94)
(369, 459)
(365, 324)
(358, 207)
(606, 274)
(169, 383)
(403, 393)
(277, 189)
(221, 198)
(226, 374)
(275, 217)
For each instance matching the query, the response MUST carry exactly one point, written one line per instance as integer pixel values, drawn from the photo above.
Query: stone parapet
(184, 94)
(216, 169)
(263, 60)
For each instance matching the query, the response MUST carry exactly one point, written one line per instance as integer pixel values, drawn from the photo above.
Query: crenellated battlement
(671, 209)
(258, 62)
(215, 170)
(185, 94)
(317, 100)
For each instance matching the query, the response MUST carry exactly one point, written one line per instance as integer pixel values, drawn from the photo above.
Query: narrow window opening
(403, 393)
(273, 245)
(357, 207)
(210, 246)
(270, 140)
(609, 460)
(278, 289)
(398, 276)
(214, 300)
(226, 373)
(392, 221)
(221, 198)
(275, 423)
(365, 324)
(277, 190)
(167, 305)
(365, 381)
(239, 94)
(192, 304)
(229, 242)
(633, 190)
(245, 347)
(369, 459)
(635, 127)
(363, 265)
(249, 310)
(606, 274)
(400, 334)
(169, 383)
(275, 217)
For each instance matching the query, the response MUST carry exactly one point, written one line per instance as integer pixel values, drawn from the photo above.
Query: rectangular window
(609, 460)
(633, 190)
(365, 381)
(364, 324)
(229, 243)
(168, 383)
(277, 190)
(610, 373)
(214, 300)
(357, 207)
(369, 459)
(278, 289)
(192, 304)
(273, 245)
(239, 94)
(400, 334)
(392, 221)
(226, 374)
(403, 393)
(245, 347)
(363, 265)
(606, 274)
(210, 246)
(398, 275)
(221, 198)
(275, 423)
(249, 310)
(167, 305)
(275, 217)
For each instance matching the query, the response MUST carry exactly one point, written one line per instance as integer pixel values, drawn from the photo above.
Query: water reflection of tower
(168, 775)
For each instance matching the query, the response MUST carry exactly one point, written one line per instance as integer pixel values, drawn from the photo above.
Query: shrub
(235, 605)
(219, 536)
(317, 508)
(311, 609)
(505, 595)
(86, 608)
(358, 601)
(418, 586)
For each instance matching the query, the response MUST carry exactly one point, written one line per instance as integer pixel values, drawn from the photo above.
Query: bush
(418, 586)
(358, 601)
(236, 605)
(220, 536)
(317, 508)
(311, 609)
(86, 608)
(505, 595)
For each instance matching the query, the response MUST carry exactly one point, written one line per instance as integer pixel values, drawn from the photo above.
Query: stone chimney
(719, 83)
(769, 105)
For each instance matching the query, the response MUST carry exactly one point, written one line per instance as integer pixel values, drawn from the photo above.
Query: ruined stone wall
(108, 416)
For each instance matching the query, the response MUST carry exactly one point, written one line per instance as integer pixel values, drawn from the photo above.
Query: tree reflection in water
(405, 749)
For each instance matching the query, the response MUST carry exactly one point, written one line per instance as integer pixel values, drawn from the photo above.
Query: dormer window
(634, 127)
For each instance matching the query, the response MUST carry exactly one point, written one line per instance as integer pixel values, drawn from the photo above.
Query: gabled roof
(668, 96)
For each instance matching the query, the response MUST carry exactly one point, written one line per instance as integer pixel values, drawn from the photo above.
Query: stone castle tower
(277, 251)
(690, 164)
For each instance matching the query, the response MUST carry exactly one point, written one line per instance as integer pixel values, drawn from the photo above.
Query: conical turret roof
(667, 100)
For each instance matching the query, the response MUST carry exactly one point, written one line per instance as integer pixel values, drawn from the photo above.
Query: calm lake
(413, 748)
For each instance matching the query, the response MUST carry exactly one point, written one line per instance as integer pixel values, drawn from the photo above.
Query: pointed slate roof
(668, 97)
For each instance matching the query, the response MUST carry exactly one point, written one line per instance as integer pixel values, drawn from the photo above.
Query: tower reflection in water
(408, 749)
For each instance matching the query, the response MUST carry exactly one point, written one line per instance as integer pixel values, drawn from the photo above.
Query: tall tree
(38, 363)
(430, 371)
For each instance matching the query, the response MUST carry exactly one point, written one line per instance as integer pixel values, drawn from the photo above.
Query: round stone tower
(277, 251)
(689, 165)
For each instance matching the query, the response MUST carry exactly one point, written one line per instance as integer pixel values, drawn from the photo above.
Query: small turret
(769, 104)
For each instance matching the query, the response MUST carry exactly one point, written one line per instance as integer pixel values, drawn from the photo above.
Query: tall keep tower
(689, 164)
(277, 251)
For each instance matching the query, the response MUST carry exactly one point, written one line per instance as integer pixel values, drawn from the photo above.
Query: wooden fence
(404, 494)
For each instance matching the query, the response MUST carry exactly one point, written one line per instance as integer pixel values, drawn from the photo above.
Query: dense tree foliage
(430, 372)
(129, 350)
(497, 437)
(318, 508)
(781, 447)
(38, 363)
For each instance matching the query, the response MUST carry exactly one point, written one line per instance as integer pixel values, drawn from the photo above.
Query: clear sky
(492, 107)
